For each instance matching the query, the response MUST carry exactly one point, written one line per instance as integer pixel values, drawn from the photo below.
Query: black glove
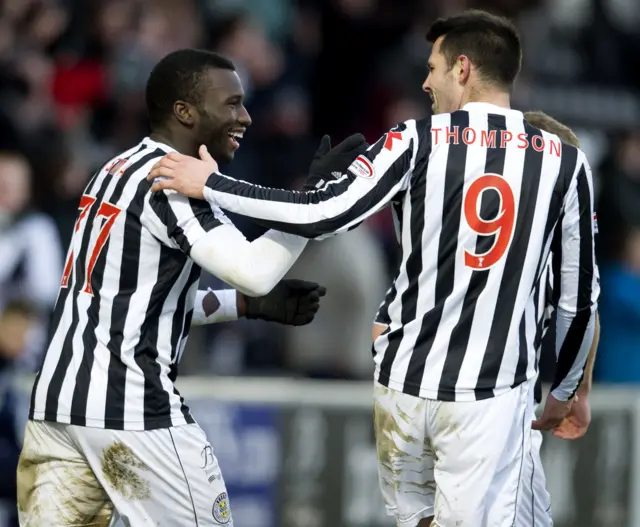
(330, 163)
(291, 302)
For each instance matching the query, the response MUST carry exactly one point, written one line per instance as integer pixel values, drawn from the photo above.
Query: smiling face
(442, 84)
(219, 117)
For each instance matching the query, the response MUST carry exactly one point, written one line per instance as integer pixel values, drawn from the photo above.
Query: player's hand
(575, 425)
(329, 163)
(184, 174)
(291, 302)
(553, 414)
(315, 179)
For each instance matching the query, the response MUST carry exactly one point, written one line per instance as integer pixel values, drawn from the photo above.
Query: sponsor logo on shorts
(210, 465)
(207, 456)
(362, 167)
(221, 512)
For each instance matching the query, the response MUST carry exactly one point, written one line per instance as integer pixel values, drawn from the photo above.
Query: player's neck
(489, 96)
(179, 143)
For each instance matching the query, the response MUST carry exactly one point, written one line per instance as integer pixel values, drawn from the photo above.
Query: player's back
(477, 222)
(124, 307)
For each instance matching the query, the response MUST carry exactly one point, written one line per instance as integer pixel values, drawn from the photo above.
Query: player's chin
(223, 155)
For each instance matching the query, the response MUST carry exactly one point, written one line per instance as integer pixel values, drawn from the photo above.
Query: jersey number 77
(106, 210)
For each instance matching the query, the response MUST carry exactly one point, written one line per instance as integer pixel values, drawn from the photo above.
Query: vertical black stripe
(587, 267)
(567, 167)
(447, 247)
(397, 212)
(179, 325)
(507, 294)
(523, 353)
(575, 334)
(538, 316)
(174, 367)
(182, 333)
(89, 337)
(409, 297)
(157, 404)
(556, 264)
(490, 208)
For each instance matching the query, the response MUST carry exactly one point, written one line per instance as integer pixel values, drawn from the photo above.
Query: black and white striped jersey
(125, 304)
(483, 193)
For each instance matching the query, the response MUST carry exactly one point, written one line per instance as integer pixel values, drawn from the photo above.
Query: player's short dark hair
(549, 124)
(177, 77)
(490, 42)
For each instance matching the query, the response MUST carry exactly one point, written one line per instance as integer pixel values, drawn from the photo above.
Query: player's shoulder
(573, 157)
(410, 130)
(133, 164)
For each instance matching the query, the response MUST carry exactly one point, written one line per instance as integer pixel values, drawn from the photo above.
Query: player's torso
(120, 319)
(476, 230)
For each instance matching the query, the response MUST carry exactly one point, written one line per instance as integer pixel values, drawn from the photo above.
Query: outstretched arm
(367, 180)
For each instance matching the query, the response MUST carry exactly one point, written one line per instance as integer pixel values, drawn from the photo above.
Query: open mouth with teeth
(234, 139)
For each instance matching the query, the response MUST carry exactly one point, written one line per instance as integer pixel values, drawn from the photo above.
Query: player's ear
(184, 113)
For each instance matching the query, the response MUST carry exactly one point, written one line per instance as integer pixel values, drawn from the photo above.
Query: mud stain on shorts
(400, 451)
(87, 503)
(27, 475)
(119, 465)
(60, 492)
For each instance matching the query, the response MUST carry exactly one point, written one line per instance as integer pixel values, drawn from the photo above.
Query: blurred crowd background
(72, 79)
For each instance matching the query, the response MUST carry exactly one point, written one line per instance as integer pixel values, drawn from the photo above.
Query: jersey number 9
(501, 226)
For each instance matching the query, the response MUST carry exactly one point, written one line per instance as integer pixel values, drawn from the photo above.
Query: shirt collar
(486, 107)
(155, 144)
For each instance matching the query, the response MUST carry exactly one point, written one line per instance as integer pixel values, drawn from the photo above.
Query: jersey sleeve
(578, 283)
(365, 187)
(179, 222)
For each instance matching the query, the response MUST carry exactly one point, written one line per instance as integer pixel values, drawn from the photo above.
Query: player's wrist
(584, 389)
(562, 394)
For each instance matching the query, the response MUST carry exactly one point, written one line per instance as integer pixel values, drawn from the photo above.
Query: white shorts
(71, 475)
(534, 507)
(457, 461)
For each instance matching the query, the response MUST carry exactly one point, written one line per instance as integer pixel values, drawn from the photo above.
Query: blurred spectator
(30, 254)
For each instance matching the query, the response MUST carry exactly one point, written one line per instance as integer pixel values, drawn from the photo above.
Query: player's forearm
(587, 380)
(212, 306)
(309, 214)
(253, 268)
(574, 337)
